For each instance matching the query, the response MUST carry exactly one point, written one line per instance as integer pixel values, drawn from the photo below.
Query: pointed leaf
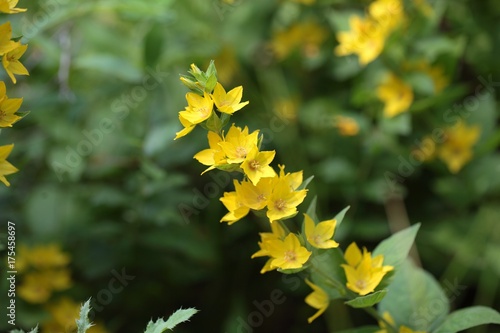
(340, 216)
(395, 248)
(463, 319)
(367, 300)
(305, 183)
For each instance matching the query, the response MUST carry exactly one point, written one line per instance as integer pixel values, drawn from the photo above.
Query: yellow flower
(6, 45)
(388, 13)
(320, 235)
(318, 299)
(363, 272)
(213, 156)
(35, 289)
(284, 199)
(366, 39)
(5, 167)
(256, 165)
(228, 102)
(286, 108)
(404, 329)
(188, 127)
(287, 253)
(48, 256)
(237, 210)
(307, 35)
(199, 108)
(347, 126)
(388, 318)
(456, 151)
(277, 232)
(396, 95)
(11, 63)
(9, 7)
(238, 143)
(255, 196)
(8, 108)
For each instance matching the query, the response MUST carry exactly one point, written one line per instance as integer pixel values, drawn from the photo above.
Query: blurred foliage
(101, 176)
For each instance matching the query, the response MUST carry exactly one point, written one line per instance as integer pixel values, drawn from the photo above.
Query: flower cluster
(275, 194)
(367, 36)
(10, 50)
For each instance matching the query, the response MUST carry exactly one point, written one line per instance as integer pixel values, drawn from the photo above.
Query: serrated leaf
(463, 319)
(395, 248)
(175, 319)
(367, 300)
(83, 323)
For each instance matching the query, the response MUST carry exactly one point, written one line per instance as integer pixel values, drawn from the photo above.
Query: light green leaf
(83, 323)
(176, 318)
(367, 300)
(327, 273)
(415, 299)
(395, 248)
(340, 216)
(305, 183)
(463, 319)
(311, 210)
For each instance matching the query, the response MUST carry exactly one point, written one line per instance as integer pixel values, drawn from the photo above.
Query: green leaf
(327, 273)
(340, 216)
(367, 300)
(83, 323)
(463, 319)
(415, 299)
(175, 319)
(311, 210)
(305, 183)
(400, 124)
(395, 248)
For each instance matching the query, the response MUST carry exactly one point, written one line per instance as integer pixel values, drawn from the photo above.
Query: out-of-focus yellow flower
(285, 108)
(308, 36)
(47, 256)
(8, 107)
(6, 44)
(320, 235)
(363, 272)
(287, 253)
(227, 65)
(5, 167)
(318, 299)
(436, 73)
(387, 13)
(199, 108)
(256, 165)
(387, 317)
(11, 63)
(366, 38)
(9, 7)
(214, 156)
(346, 126)
(37, 286)
(229, 102)
(396, 95)
(456, 151)
(238, 143)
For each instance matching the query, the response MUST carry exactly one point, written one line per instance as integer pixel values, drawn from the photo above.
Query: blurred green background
(101, 175)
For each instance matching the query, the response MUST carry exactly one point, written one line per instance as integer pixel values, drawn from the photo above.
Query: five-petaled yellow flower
(11, 63)
(285, 197)
(199, 108)
(277, 232)
(238, 143)
(456, 151)
(5, 167)
(396, 95)
(287, 253)
(213, 156)
(229, 102)
(255, 196)
(237, 210)
(9, 7)
(256, 165)
(318, 299)
(8, 108)
(363, 272)
(320, 235)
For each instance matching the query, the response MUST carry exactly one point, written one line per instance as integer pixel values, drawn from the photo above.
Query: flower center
(241, 152)
(290, 256)
(203, 110)
(261, 197)
(254, 165)
(361, 284)
(280, 204)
